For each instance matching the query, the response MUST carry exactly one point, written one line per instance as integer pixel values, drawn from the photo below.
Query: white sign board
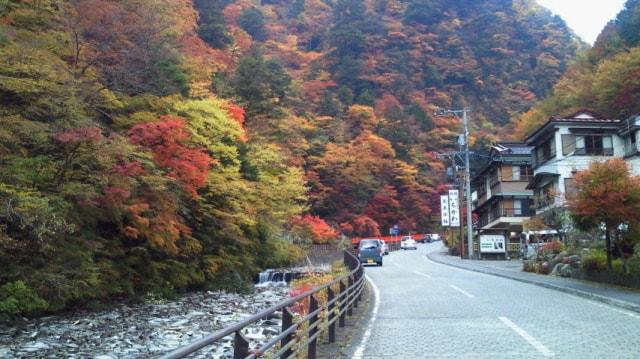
(492, 243)
(454, 208)
(444, 210)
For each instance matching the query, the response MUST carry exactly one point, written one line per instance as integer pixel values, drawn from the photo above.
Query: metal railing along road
(299, 333)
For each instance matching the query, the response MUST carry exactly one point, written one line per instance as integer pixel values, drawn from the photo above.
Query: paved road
(428, 310)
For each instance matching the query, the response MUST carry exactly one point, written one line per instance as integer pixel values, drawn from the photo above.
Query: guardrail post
(342, 302)
(349, 295)
(358, 278)
(332, 325)
(346, 259)
(240, 346)
(287, 322)
(313, 306)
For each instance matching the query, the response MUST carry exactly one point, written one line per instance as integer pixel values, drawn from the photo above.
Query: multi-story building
(630, 134)
(566, 145)
(503, 200)
(524, 180)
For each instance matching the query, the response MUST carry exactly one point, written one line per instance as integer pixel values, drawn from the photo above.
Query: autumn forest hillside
(170, 145)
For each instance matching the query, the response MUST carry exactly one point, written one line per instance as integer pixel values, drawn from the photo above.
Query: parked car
(407, 243)
(385, 247)
(425, 239)
(370, 251)
(434, 237)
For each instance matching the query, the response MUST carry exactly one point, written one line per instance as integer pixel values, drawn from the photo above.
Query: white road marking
(632, 315)
(526, 336)
(461, 291)
(358, 354)
(422, 274)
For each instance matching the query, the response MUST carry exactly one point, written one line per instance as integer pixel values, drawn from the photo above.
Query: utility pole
(467, 173)
(467, 180)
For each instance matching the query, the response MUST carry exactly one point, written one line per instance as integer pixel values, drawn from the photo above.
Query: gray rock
(144, 330)
(34, 347)
(574, 258)
(566, 271)
(556, 269)
(4, 352)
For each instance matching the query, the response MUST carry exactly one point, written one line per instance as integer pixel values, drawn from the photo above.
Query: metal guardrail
(342, 295)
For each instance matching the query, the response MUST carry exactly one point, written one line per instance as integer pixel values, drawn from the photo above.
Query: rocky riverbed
(142, 330)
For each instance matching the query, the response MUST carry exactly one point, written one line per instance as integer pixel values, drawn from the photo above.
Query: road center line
(422, 274)
(526, 336)
(358, 354)
(462, 291)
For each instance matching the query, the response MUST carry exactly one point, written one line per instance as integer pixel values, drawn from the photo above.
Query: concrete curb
(608, 300)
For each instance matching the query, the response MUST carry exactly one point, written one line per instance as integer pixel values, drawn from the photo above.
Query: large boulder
(573, 259)
(556, 269)
(566, 270)
(561, 256)
(544, 268)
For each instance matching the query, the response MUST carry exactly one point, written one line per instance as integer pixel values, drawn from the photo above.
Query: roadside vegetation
(156, 147)
(600, 231)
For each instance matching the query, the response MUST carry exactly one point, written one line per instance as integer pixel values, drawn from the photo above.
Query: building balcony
(544, 201)
(505, 218)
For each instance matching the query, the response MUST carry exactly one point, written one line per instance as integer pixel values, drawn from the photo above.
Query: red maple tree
(166, 139)
(607, 194)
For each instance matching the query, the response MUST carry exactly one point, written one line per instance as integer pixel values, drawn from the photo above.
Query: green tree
(425, 12)
(261, 84)
(252, 21)
(211, 26)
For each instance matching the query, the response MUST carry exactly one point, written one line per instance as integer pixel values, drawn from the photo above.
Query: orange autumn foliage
(315, 227)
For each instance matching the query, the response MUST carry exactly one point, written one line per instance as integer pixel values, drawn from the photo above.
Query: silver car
(407, 243)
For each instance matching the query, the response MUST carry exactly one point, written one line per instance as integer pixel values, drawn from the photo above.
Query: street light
(467, 176)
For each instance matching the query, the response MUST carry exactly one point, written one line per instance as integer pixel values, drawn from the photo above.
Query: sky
(585, 17)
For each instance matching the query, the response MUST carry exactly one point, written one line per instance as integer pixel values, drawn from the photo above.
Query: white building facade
(566, 145)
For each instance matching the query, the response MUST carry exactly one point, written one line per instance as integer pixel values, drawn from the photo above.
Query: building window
(493, 178)
(568, 144)
(594, 145)
(570, 187)
(517, 207)
(631, 144)
(545, 196)
(515, 173)
(546, 151)
(520, 173)
(482, 187)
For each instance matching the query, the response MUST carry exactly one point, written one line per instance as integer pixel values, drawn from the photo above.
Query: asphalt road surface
(427, 310)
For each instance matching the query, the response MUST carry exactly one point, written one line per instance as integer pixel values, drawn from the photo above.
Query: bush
(617, 266)
(528, 266)
(315, 280)
(595, 259)
(554, 247)
(17, 298)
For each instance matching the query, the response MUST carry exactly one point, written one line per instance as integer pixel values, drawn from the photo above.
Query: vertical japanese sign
(454, 208)
(444, 210)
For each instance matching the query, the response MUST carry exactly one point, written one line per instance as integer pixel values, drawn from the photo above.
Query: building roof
(538, 177)
(582, 116)
(501, 151)
(631, 123)
(512, 148)
(585, 115)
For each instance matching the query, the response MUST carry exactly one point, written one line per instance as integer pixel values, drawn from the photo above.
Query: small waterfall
(271, 278)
